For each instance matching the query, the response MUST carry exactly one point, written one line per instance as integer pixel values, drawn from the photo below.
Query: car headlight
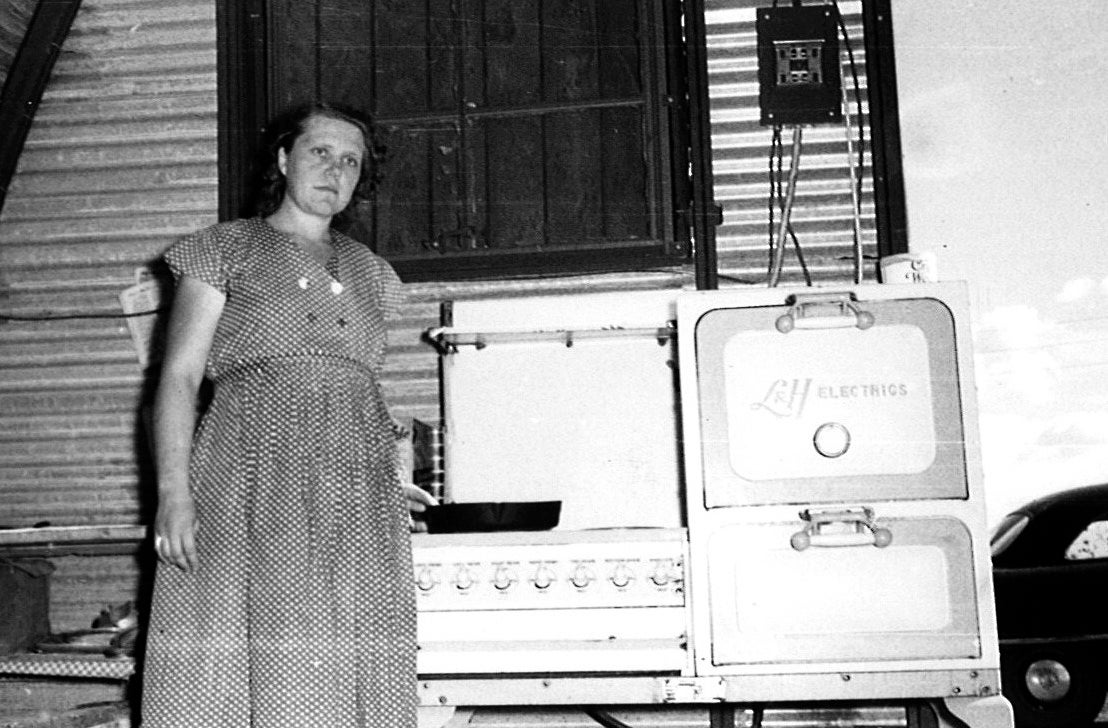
(1048, 681)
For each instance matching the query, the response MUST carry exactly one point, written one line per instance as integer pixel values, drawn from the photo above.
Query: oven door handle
(823, 311)
(838, 528)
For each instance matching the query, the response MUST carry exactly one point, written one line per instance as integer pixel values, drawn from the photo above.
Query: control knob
(425, 579)
(544, 577)
(582, 576)
(464, 579)
(621, 576)
(663, 573)
(504, 578)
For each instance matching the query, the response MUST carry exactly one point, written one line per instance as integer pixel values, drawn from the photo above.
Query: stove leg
(447, 716)
(973, 712)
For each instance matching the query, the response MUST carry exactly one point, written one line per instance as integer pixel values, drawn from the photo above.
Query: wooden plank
(618, 28)
(346, 53)
(401, 58)
(293, 57)
(573, 177)
(513, 63)
(449, 228)
(404, 198)
(625, 175)
(477, 180)
(62, 540)
(515, 183)
(443, 56)
(473, 44)
(569, 62)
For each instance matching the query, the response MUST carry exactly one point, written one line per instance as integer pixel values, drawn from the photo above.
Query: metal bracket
(693, 690)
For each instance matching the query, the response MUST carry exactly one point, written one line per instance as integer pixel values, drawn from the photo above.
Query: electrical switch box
(798, 65)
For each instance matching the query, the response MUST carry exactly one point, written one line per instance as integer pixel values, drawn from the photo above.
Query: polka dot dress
(301, 612)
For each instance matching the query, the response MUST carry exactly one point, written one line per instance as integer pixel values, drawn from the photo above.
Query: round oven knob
(464, 579)
(425, 579)
(504, 578)
(661, 575)
(582, 577)
(544, 577)
(621, 576)
(831, 439)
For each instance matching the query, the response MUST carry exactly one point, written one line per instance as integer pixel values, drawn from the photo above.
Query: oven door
(829, 401)
(834, 588)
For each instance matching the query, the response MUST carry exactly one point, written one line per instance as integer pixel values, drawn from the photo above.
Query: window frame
(255, 83)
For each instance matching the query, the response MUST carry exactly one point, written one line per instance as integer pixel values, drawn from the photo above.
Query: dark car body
(1050, 576)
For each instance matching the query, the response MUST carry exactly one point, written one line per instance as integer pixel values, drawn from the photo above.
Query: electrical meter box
(799, 81)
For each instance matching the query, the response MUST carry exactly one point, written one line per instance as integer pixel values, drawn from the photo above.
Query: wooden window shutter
(523, 135)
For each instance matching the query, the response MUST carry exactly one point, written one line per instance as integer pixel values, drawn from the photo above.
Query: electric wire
(857, 93)
(79, 316)
(775, 199)
(855, 201)
(856, 184)
(787, 208)
(792, 232)
(771, 198)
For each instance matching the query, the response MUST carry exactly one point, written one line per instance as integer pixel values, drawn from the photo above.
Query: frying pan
(492, 516)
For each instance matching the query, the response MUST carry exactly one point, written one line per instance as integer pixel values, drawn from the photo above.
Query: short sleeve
(392, 293)
(392, 300)
(207, 255)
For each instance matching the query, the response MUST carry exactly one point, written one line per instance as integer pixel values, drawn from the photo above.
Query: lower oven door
(830, 595)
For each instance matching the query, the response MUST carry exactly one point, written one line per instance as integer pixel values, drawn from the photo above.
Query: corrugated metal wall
(15, 15)
(740, 159)
(120, 160)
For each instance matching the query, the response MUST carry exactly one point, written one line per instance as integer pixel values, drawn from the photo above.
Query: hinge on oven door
(843, 527)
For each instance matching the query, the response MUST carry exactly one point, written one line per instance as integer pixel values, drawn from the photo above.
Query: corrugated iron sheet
(822, 216)
(15, 15)
(120, 160)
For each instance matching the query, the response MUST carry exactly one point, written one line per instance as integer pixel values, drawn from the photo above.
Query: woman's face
(323, 167)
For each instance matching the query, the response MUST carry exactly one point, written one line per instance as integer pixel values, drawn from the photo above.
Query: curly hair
(283, 133)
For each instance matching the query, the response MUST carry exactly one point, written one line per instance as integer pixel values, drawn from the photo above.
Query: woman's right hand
(175, 532)
(197, 307)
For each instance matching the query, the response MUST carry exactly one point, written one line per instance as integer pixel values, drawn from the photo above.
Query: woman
(283, 596)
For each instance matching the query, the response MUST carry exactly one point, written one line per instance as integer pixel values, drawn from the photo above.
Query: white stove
(769, 497)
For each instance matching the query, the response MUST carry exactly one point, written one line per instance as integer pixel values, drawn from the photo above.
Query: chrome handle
(823, 311)
(846, 527)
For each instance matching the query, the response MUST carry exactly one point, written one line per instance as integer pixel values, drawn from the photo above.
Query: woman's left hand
(418, 502)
